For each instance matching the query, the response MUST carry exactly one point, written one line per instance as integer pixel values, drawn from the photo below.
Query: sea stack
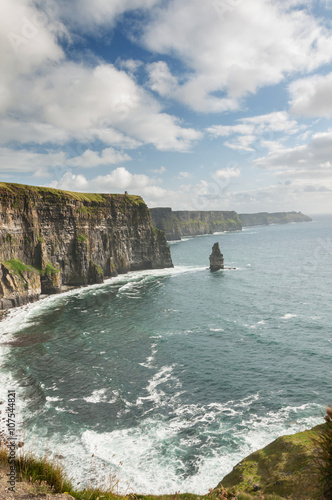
(216, 258)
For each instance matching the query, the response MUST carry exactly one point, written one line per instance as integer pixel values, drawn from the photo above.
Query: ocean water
(168, 378)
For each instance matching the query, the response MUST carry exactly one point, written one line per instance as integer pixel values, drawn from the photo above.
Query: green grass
(285, 467)
(17, 267)
(323, 443)
(81, 238)
(59, 195)
(49, 269)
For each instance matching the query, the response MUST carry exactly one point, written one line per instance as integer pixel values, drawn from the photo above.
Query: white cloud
(160, 170)
(312, 96)
(24, 160)
(257, 131)
(161, 79)
(309, 163)
(118, 180)
(227, 173)
(232, 54)
(131, 65)
(88, 15)
(46, 98)
(83, 102)
(29, 161)
(94, 159)
(28, 39)
(185, 175)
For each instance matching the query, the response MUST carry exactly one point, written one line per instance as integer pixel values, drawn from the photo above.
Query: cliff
(264, 218)
(287, 467)
(50, 238)
(192, 223)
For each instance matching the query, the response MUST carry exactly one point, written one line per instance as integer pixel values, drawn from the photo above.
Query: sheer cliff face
(192, 223)
(50, 238)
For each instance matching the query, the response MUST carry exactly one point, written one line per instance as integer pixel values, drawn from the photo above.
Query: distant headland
(182, 223)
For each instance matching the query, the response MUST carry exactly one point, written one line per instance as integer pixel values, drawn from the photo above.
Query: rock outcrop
(265, 218)
(50, 238)
(216, 258)
(177, 224)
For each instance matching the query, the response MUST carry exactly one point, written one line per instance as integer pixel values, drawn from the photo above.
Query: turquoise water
(171, 377)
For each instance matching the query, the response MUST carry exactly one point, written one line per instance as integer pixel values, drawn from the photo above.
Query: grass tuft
(323, 444)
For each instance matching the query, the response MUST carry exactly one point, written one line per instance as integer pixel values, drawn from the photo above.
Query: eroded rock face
(216, 258)
(192, 223)
(50, 238)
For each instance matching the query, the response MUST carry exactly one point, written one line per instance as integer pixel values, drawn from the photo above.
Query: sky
(192, 104)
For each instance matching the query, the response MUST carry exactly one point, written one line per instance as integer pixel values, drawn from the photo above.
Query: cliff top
(60, 196)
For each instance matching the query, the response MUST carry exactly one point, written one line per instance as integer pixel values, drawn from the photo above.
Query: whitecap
(289, 316)
(97, 396)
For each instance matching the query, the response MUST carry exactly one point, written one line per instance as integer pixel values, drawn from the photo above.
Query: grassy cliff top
(287, 467)
(58, 195)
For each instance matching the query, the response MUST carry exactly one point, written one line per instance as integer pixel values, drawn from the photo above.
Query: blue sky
(214, 105)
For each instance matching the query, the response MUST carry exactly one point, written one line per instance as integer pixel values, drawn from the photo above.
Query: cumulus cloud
(28, 39)
(232, 52)
(309, 164)
(24, 160)
(261, 130)
(94, 159)
(161, 80)
(28, 161)
(312, 96)
(82, 101)
(118, 180)
(87, 15)
(78, 99)
(44, 97)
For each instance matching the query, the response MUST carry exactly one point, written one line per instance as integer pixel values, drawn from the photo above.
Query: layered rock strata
(50, 238)
(177, 224)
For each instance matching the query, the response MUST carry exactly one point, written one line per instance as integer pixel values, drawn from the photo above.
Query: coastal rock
(51, 239)
(177, 224)
(265, 218)
(216, 258)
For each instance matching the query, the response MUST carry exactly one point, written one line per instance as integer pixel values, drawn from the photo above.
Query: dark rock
(180, 223)
(265, 218)
(256, 487)
(216, 258)
(51, 238)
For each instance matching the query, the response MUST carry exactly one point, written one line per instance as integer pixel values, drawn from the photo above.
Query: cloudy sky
(193, 104)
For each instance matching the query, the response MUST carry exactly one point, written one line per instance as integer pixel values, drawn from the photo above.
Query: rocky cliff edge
(50, 238)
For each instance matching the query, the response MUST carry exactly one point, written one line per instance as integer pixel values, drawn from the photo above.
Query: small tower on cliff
(216, 258)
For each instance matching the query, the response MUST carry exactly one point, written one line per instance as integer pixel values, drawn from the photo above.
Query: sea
(163, 380)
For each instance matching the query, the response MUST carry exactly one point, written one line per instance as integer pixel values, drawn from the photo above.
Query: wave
(158, 457)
